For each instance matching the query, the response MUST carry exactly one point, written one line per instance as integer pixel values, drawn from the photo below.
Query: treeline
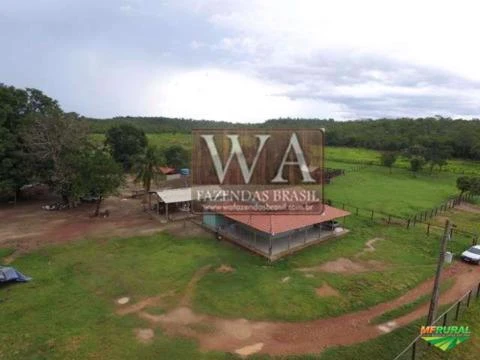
(461, 137)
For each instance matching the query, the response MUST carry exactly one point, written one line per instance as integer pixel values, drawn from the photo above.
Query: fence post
(414, 350)
(357, 212)
(459, 303)
(478, 290)
(343, 206)
(408, 223)
(389, 218)
(414, 219)
(372, 215)
(468, 299)
(428, 229)
(445, 319)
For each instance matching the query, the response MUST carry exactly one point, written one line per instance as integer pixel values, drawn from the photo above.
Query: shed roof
(279, 223)
(175, 195)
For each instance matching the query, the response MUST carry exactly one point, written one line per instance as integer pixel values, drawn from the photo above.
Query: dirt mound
(224, 269)
(144, 335)
(326, 290)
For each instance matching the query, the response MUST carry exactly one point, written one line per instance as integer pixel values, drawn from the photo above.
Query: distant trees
(177, 157)
(388, 158)
(125, 143)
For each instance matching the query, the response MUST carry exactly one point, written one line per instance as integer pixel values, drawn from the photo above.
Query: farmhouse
(276, 235)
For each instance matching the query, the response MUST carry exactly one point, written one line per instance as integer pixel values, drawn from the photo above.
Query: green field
(68, 310)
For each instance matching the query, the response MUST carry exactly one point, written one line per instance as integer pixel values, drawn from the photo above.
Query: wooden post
(478, 290)
(436, 285)
(389, 218)
(457, 311)
(166, 210)
(414, 347)
(408, 223)
(445, 319)
(428, 229)
(468, 299)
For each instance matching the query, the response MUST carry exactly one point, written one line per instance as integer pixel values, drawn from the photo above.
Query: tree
(416, 164)
(463, 184)
(58, 142)
(126, 142)
(100, 176)
(146, 168)
(17, 165)
(177, 157)
(388, 158)
(436, 153)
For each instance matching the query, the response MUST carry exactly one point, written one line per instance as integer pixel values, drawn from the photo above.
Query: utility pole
(432, 312)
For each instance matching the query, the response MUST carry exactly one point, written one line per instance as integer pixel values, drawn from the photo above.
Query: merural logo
(445, 337)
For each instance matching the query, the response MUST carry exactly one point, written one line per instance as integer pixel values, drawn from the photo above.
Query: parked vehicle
(330, 225)
(472, 255)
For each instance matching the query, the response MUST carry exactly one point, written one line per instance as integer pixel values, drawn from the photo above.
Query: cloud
(264, 59)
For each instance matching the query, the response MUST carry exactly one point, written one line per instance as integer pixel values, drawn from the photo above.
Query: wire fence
(418, 347)
(420, 219)
(366, 163)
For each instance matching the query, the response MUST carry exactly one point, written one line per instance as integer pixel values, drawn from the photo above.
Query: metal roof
(175, 195)
(280, 223)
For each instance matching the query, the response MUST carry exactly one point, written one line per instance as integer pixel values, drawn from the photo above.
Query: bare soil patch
(468, 208)
(345, 266)
(283, 338)
(144, 335)
(27, 226)
(326, 290)
(369, 246)
(224, 269)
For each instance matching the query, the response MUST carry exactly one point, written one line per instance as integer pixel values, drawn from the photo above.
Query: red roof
(167, 170)
(279, 223)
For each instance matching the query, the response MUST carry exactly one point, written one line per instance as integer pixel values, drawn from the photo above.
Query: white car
(472, 255)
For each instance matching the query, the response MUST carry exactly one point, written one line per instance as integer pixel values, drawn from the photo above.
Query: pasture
(70, 308)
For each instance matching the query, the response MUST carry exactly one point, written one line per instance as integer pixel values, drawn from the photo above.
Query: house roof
(279, 223)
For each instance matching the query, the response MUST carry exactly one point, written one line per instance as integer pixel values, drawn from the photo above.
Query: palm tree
(145, 168)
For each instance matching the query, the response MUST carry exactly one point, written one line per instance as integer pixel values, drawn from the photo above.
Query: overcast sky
(246, 60)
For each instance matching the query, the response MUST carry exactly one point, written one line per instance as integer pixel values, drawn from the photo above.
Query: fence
(366, 163)
(418, 346)
(418, 219)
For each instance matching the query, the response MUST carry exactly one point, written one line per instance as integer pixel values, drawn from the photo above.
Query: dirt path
(282, 338)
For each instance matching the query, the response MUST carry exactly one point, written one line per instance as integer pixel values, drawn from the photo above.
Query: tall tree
(146, 169)
(416, 164)
(58, 141)
(463, 184)
(17, 166)
(100, 176)
(125, 143)
(388, 158)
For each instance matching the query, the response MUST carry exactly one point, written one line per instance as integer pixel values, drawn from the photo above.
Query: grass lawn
(398, 193)
(67, 311)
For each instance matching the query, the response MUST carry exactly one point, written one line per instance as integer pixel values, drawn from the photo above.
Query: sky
(246, 60)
